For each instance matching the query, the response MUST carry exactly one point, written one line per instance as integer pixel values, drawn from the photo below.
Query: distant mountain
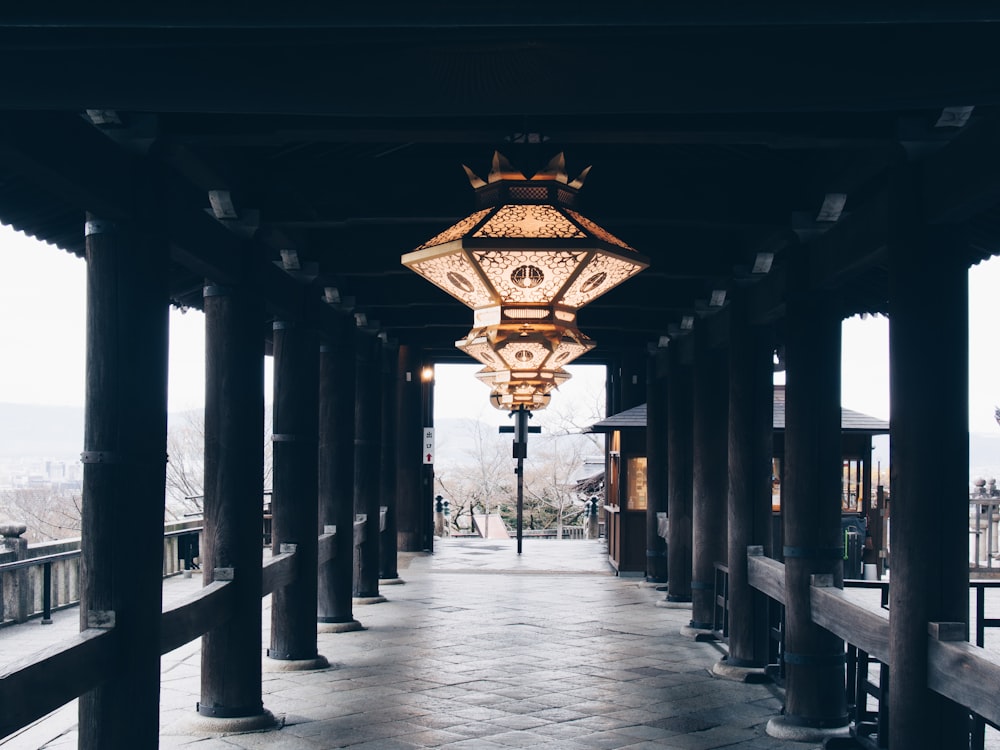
(28, 430)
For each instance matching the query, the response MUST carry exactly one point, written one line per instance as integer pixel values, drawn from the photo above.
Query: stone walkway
(479, 649)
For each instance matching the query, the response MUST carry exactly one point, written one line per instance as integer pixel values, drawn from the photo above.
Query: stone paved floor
(479, 649)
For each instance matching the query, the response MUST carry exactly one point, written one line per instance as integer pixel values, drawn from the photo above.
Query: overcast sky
(42, 305)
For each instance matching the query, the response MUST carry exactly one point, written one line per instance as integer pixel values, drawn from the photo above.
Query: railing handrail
(34, 561)
(854, 622)
(87, 653)
(31, 562)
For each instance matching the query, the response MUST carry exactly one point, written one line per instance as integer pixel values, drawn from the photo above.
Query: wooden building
(626, 486)
(781, 165)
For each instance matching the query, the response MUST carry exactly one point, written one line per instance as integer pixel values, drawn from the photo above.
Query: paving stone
(480, 649)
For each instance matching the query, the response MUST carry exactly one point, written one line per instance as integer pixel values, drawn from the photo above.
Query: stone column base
(727, 671)
(781, 728)
(199, 724)
(666, 604)
(368, 600)
(697, 634)
(295, 665)
(339, 627)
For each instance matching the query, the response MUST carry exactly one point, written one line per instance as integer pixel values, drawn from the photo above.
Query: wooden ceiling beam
(520, 14)
(558, 70)
(962, 180)
(77, 164)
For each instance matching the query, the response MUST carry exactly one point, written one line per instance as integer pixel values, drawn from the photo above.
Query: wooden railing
(984, 535)
(47, 581)
(42, 682)
(958, 670)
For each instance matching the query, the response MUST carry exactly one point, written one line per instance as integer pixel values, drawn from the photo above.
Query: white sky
(42, 305)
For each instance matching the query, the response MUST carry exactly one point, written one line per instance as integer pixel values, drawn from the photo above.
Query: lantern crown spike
(554, 170)
(578, 182)
(503, 169)
(475, 180)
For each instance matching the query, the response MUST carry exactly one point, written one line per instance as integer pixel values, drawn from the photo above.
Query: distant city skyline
(44, 296)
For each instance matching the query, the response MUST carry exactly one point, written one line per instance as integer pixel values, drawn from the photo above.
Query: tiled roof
(850, 421)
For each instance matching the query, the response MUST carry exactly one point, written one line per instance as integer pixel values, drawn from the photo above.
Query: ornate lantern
(526, 255)
(525, 262)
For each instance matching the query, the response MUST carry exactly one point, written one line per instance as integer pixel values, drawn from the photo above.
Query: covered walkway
(479, 649)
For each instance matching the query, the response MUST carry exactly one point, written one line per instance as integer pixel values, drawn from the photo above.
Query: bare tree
(49, 513)
(479, 477)
(185, 478)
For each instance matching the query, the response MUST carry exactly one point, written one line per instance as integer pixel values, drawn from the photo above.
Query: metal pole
(521, 450)
(47, 594)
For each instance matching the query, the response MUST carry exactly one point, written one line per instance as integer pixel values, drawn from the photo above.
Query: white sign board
(428, 450)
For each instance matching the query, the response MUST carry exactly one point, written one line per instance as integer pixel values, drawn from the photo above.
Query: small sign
(428, 449)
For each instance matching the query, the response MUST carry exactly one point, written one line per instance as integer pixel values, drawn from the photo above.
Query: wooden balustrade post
(815, 698)
(680, 469)
(367, 455)
(388, 573)
(656, 465)
(14, 594)
(751, 429)
(124, 462)
(336, 476)
(710, 446)
(294, 500)
(929, 376)
(230, 545)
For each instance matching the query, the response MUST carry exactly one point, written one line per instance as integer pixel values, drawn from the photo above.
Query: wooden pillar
(656, 464)
(751, 426)
(367, 455)
(123, 478)
(928, 349)
(294, 497)
(814, 658)
(409, 492)
(234, 489)
(710, 450)
(679, 477)
(337, 369)
(632, 381)
(387, 474)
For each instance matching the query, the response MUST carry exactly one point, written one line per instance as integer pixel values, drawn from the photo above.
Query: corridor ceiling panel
(319, 146)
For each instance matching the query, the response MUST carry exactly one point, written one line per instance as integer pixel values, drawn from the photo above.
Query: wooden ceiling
(340, 134)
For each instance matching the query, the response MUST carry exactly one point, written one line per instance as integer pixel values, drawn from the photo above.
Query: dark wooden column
(234, 488)
(751, 404)
(409, 465)
(387, 474)
(656, 464)
(367, 455)
(124, 458)
(294, 498)
(814, 658)
(632, 380)
(679, 478)
(928, 348)
(337, 370)
(710, 450)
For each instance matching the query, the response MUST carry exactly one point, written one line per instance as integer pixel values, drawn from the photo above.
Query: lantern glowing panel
(521, 389)
(525, 347)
